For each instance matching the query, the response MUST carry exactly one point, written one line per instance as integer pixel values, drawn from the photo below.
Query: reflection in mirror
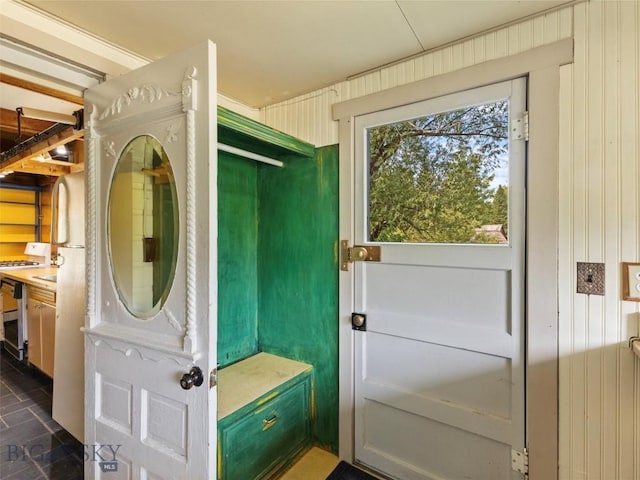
(143, 226)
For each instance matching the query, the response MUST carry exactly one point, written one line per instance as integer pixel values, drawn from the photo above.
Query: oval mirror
(142, 226)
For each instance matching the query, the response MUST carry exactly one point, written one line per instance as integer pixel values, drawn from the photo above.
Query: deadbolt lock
(357, 253)
(359, 321)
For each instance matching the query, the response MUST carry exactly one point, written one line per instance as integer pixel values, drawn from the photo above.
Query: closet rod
(253, 156)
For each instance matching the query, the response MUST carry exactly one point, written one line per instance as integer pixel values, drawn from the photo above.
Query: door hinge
(520, 127)
(520, 461)
(357, 253)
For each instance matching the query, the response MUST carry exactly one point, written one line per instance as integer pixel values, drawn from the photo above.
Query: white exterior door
(439, 371)
(151, 256)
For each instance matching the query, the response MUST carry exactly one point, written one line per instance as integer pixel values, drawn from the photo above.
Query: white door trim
(542, 66)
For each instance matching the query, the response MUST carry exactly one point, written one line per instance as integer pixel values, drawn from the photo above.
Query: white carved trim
(144, 93)
(189, 90)
(92, 211)
(190, 337)
(151, 93)
(142, 353)
(110, 149)
(172, 132)
(189, 104)
(172, 320)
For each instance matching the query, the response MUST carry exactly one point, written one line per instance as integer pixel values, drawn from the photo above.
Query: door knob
(194, 377)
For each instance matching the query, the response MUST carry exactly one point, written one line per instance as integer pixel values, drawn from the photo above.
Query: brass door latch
(357, 253)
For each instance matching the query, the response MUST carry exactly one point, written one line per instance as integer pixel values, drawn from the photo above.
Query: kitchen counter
(27, 275)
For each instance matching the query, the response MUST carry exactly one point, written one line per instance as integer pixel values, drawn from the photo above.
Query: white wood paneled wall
(600, 222)
(599, 209)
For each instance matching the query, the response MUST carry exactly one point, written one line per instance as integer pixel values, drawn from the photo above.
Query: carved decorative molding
(172, 132)
(110, 149)
(146, 354)
(92, 209)
(147, 93)
(189, 89)
(172, 320)
(150, 93)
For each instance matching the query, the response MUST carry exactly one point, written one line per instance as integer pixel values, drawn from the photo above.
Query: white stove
(13, 264)
(39, 255)
(13, 323)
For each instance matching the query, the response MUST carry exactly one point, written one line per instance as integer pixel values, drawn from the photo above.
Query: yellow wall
(18, 220)
(45, 216)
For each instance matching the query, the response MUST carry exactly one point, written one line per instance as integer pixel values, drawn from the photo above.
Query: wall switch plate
(590, 278)
(631, 281)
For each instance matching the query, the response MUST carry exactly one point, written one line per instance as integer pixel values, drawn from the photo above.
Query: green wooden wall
(298, 271)
(278, 269)
(237, 259)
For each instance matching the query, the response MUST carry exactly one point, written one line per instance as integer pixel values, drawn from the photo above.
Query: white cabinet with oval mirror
(147, 324)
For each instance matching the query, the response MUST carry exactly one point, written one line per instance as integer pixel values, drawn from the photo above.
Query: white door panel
(441, 288)
(141, 338)
(140, 420)
(445, 374)
(470, 337)
(439, 370)
(449, 452)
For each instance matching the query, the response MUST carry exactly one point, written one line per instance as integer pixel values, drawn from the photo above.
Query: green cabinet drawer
(261, 440)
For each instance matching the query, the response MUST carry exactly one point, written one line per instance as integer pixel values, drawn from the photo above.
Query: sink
(48, 278)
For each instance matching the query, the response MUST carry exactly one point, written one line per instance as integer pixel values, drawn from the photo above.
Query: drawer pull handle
(267, 423)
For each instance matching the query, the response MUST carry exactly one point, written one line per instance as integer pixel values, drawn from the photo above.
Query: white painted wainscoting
(600, 222)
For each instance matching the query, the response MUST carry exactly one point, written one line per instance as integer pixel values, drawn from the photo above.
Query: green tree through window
(440, 178)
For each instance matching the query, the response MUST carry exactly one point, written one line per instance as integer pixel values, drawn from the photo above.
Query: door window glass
(441, 178)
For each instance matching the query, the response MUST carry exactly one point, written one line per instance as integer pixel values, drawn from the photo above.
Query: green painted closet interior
(237, 259)
(277, 266)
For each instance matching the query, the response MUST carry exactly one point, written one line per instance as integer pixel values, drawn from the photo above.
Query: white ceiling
(269, 51)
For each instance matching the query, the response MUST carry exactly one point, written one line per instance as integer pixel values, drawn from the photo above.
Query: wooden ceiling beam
(33, 167)
(22, 161)
(28, 126)
(34, 87)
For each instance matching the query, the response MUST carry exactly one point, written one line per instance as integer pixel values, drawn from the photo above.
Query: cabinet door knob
(194, 377)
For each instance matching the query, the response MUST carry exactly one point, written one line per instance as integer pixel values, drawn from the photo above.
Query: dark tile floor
(32, 445)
